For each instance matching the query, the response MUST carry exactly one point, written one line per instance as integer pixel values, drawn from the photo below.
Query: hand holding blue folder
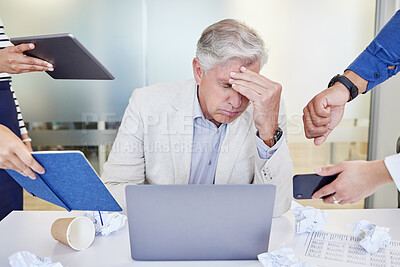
(69, 182)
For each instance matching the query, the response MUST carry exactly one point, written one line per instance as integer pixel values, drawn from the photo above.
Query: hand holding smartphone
(305, 185)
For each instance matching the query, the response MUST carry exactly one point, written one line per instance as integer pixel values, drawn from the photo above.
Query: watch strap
(277, 136)
(347, 83)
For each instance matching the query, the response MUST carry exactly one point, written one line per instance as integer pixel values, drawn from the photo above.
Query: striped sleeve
(4, 42)
(19, 114)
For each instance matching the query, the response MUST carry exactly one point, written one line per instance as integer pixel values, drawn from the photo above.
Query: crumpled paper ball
(372, 237)
(308, 219)
(108, 223)
(283, 256)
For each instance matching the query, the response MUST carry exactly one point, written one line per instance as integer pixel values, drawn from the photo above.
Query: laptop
(70, 58)
(199, 222)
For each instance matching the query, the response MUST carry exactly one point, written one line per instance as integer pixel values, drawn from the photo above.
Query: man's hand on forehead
(252, 84)
(246, 83)
(265, 95)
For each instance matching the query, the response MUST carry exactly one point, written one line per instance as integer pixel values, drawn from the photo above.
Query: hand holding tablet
(13, 60)
(70, 59)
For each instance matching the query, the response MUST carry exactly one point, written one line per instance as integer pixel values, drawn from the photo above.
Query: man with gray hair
(227, 126)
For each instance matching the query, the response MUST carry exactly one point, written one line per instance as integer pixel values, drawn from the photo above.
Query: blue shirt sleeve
(384, 51)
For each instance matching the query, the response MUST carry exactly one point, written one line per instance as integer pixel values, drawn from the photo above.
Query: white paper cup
(77, 232)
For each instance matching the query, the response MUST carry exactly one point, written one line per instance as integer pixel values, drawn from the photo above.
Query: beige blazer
(153, 145)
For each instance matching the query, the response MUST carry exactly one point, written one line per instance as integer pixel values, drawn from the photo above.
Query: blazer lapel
(180, 122)
(236, 134)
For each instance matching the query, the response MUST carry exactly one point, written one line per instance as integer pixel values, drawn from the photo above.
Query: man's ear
(197, 70)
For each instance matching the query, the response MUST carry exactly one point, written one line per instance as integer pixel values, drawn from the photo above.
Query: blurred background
(143, 42)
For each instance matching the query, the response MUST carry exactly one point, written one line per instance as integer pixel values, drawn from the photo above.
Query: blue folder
(69, 182)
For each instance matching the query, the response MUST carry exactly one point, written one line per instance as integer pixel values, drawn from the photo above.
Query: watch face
(278, 135)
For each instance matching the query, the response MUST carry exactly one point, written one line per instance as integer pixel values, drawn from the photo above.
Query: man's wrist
(342, 90)
(356, 80)
(272, 138)
(382, 172)
(270, 143)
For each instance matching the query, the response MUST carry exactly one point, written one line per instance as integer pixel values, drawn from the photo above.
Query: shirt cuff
(369, 66)
(393, 165)
(264, 151)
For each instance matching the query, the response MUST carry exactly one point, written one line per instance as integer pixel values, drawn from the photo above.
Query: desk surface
(30, 230)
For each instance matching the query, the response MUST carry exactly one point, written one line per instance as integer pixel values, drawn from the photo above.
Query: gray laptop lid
(70, 58)
(199, 222)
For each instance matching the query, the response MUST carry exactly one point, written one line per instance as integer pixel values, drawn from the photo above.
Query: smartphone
(305, 185)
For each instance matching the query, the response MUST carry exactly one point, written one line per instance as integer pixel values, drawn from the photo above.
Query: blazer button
(376, 74)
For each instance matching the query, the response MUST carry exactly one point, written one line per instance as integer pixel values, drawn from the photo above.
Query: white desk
(30, 230)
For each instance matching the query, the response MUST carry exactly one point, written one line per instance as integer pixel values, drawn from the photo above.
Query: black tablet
(70, 58)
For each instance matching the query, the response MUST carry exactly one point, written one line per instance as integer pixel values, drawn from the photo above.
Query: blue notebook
(69, 182)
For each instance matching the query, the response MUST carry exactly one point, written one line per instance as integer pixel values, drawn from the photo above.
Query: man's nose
(235, 99)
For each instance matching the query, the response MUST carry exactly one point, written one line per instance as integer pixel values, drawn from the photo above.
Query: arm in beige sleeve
(277, 170)
(126, 163)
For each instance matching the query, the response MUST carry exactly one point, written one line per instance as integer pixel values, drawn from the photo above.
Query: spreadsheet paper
(328, 249)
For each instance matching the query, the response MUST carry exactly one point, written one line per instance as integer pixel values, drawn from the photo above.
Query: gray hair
(227, 40)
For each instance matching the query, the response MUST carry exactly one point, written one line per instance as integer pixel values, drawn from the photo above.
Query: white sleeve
(393, 165)
(126, 162)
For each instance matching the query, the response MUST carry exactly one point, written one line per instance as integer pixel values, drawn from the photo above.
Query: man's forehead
(231, 65)
(223, 71)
